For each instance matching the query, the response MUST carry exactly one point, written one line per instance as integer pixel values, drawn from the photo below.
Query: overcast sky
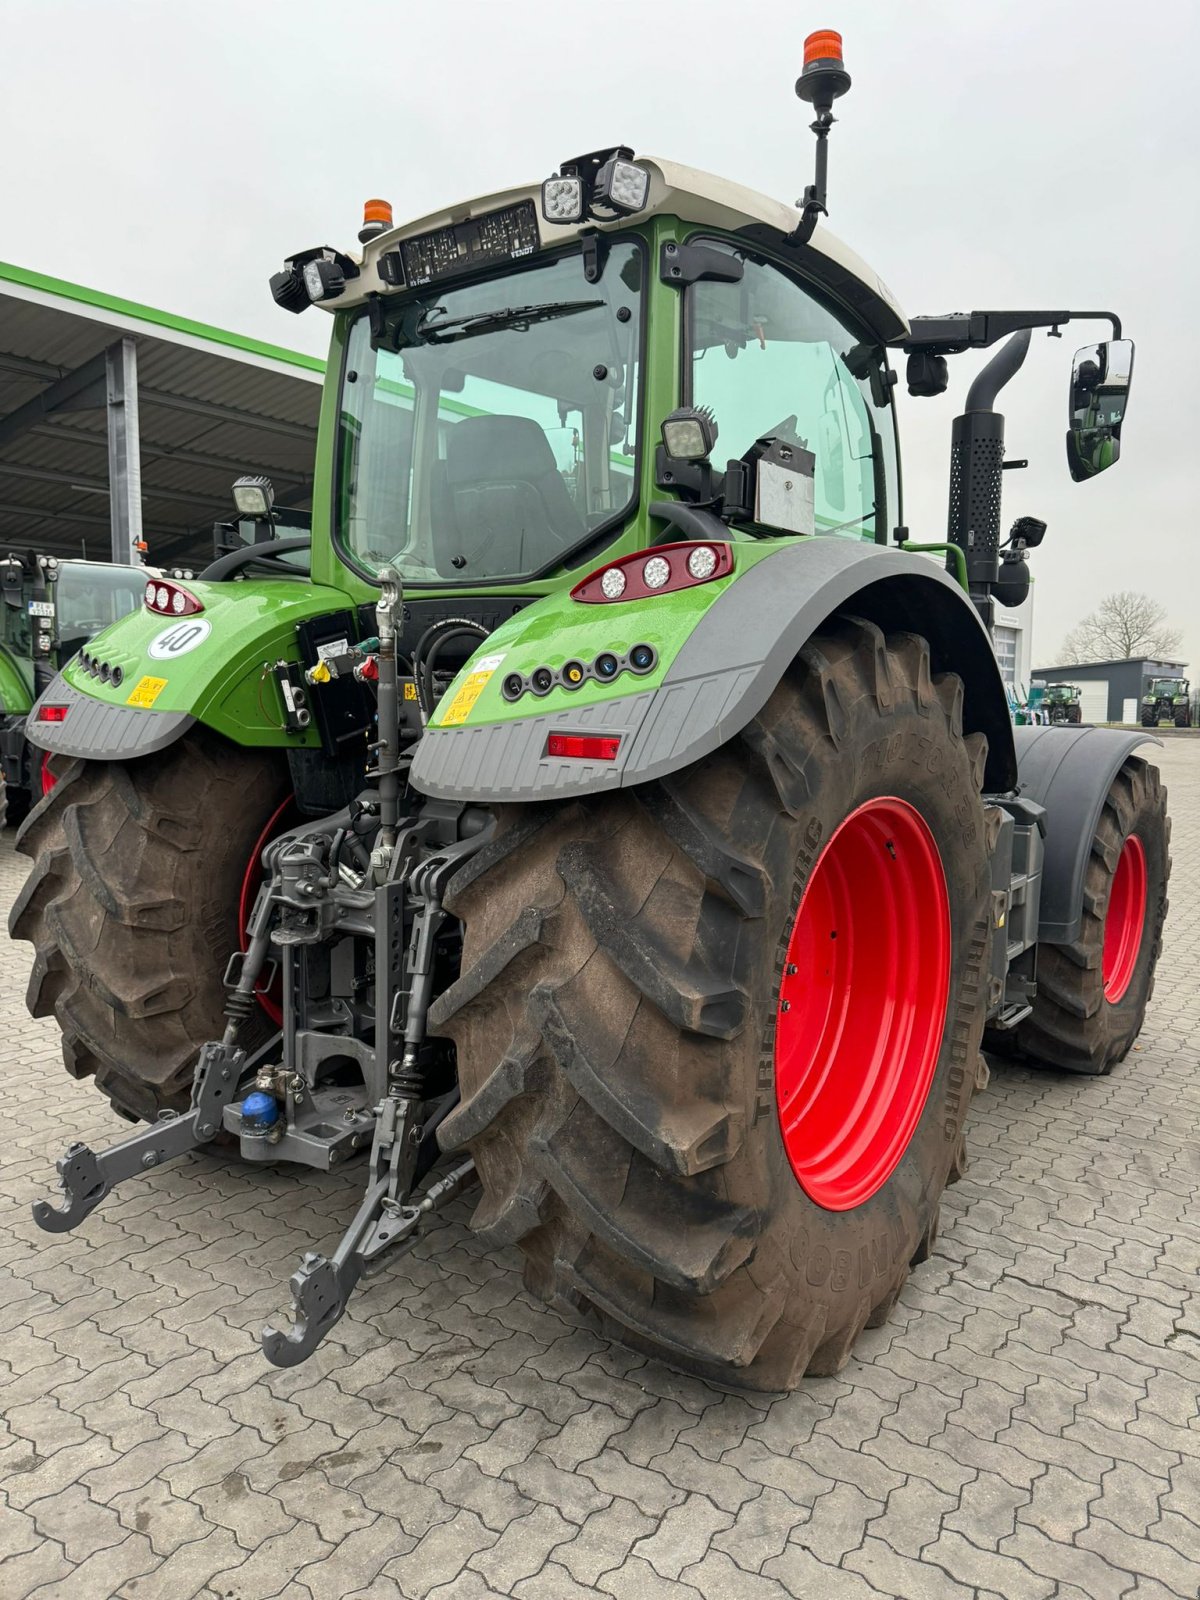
(1018, 155)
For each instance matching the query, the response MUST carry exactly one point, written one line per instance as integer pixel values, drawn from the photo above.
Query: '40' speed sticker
(179, 638)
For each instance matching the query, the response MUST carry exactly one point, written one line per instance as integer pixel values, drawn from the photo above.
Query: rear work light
(52, 713)
(584, 746)
(170, 600)
(660, 570)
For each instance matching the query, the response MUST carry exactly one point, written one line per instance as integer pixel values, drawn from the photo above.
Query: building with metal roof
(121, 425)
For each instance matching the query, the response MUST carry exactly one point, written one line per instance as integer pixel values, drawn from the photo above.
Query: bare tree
(1123, 625)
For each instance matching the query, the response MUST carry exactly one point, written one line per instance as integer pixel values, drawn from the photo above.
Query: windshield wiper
(519, 317)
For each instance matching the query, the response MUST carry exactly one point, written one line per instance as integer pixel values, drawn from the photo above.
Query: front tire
(1092, 994)
(625, 966)
(131, 906)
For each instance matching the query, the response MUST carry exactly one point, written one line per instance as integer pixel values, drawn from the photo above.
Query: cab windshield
(489, 430)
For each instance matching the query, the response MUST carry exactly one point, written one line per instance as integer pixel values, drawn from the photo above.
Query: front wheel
(717, 1035)
(1092, 993)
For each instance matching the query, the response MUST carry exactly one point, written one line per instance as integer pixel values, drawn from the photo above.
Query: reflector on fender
(584, 746)
(52, 713)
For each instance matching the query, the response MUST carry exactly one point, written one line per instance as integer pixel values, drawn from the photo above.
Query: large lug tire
(617, 1010)
(1092, 994)
(131, 906)
(1149, 719)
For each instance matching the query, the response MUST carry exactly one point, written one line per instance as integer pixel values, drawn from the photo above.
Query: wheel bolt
(786, 1005)
(791, 969)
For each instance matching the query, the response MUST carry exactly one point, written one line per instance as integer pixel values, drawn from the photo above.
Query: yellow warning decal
(410, 690)
(146, 691)
(460, 707)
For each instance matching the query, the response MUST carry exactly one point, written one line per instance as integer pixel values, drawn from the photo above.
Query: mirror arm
(975, 330)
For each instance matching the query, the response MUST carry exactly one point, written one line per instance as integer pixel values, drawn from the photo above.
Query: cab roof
(695, 197)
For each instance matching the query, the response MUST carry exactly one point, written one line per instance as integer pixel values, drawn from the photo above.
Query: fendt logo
(179, 638)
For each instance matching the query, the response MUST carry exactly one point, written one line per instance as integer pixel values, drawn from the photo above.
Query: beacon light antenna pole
(823, 80)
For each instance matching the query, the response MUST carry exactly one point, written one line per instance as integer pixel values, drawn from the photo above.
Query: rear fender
(739, 644)
(1069, 771)
(216, 676)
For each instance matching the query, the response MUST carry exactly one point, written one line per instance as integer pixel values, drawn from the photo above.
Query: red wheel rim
(48, 778)
(1124, 920)
(862, 1003)
(280, 820)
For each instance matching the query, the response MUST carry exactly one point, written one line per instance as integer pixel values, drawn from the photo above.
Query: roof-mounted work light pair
(311, 277)
(602, 186)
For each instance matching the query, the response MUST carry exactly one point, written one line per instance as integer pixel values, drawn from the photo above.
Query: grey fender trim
(726, 672)
(101, 732)
(1069, 771)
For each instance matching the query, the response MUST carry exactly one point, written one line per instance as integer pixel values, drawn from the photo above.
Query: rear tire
(616, 1015)
(1149, 720)
(1080, 1022)
(131, 907)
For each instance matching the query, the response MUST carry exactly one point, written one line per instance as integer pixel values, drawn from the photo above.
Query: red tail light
(52, 713)
(660, 570)
(584, 746)
(171, 599)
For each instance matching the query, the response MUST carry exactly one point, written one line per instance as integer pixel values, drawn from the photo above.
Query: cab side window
(770, 358)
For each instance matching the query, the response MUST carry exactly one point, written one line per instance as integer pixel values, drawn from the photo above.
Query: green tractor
(1167, 700)
(642, 829)
(49, 610)
(1062, 703)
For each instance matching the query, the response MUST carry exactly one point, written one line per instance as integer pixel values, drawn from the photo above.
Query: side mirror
(1100, 379)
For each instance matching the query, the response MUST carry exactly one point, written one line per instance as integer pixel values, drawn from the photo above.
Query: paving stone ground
(1024, 1428)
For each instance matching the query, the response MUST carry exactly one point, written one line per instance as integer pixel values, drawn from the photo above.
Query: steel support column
(124, 452)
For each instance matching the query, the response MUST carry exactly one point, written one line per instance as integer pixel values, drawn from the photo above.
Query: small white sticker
(333, 649)
(487, 663)
(41, 608)
(179, 638)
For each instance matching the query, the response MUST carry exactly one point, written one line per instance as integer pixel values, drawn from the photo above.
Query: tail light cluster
(661, 570)
(171, 599)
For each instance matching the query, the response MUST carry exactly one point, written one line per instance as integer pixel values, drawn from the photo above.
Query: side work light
(689, 433)
(254, 496)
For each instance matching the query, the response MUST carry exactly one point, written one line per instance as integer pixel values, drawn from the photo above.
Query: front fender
(1069, 771)
(216, 679)
(722, 647)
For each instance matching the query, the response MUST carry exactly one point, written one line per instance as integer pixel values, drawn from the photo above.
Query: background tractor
(641, 827)
(49, 609)
(1061, 703)
(1167, 700)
